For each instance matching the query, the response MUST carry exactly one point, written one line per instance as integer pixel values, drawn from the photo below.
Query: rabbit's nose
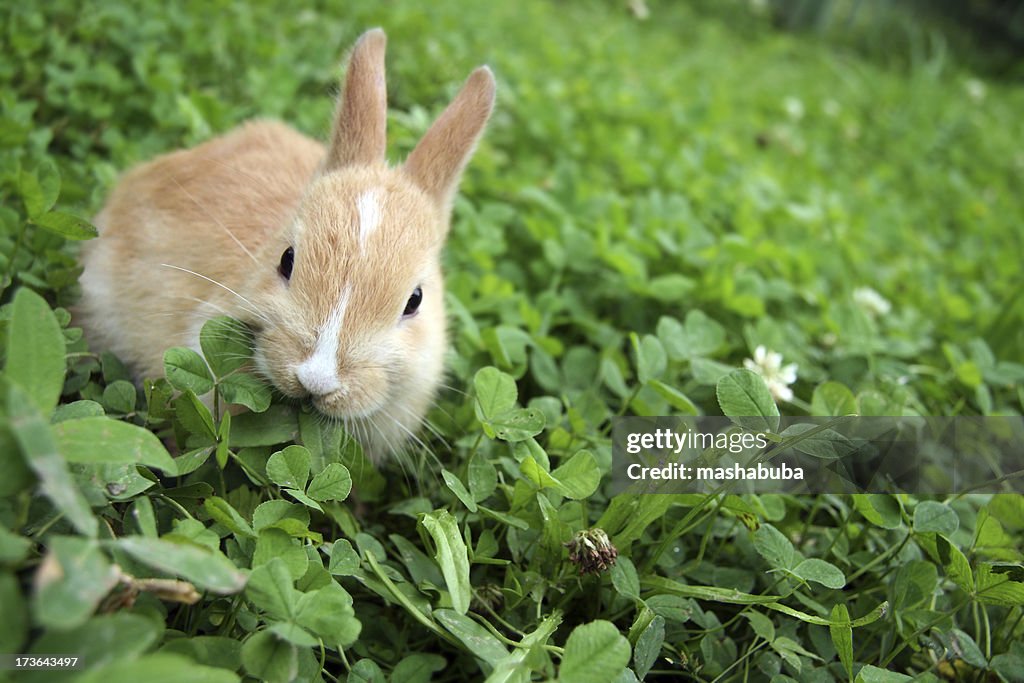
(316, 379)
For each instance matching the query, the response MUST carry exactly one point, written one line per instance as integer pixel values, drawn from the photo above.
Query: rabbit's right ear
(359, 135)
(437, 162)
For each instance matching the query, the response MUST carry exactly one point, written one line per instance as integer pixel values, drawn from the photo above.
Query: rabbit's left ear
(359, 135)
(437, 162)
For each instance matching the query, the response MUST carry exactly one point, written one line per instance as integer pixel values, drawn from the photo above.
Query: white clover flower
(778, 377)
(794, 108)
(872, 302)
(975, 89)
(639, 9)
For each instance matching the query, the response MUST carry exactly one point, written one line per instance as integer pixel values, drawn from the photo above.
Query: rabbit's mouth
(343, 405)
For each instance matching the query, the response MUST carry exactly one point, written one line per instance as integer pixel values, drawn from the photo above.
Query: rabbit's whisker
(252, 307)
(204, 302)
(426, 424)
(217, 221)
(449, 387)
(234, 169)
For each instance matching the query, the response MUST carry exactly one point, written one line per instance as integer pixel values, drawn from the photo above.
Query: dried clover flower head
(592, 551)
(488, 596)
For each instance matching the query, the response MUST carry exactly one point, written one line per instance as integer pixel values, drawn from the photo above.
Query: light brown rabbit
(331, 256)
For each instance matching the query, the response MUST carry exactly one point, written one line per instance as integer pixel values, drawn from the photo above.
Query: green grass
(698, 180)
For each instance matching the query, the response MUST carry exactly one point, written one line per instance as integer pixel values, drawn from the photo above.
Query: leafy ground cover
(656, 199)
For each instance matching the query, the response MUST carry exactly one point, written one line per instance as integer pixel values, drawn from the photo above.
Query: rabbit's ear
(359, 135)
(437, 161)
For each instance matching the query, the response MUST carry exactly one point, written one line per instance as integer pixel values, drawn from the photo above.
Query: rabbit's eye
(287, 261)
(413, 304)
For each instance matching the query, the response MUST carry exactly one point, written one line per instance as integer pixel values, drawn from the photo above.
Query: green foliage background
(655, 198)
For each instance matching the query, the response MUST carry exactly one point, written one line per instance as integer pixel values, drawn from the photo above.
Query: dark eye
(413, 304)
(287, 261)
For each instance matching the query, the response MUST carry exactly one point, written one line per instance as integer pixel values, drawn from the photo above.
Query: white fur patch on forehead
(368, 206)
(319, 373)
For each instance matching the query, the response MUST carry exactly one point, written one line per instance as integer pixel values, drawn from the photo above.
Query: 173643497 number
(41, 662)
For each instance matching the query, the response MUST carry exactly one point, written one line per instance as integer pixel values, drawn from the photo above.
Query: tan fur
(181, 231)
(359, 135)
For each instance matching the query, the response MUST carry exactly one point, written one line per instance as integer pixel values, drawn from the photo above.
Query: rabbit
(331, 256)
